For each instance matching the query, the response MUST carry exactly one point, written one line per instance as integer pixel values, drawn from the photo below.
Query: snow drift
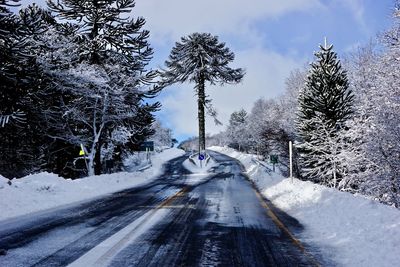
(47, 190)
(351, 230)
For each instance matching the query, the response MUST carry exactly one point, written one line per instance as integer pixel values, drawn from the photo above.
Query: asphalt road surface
(181, 219)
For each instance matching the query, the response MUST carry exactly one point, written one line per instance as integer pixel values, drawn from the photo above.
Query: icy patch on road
(350, 229)
(39, 249)
(231, 202)
(103, 254)
(42, 191)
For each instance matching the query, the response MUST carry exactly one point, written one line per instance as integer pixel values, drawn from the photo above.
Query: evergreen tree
(114, 50)
(325, 103)
(19, 78)
(201, 58)
(10, 56)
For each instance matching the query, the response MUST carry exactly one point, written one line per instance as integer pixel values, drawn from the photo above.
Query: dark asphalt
(213, 221)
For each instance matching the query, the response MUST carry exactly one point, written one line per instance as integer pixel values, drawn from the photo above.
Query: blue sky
(270, 38)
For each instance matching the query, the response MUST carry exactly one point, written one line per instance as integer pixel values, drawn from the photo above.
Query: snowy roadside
(349, 229)
(46, 190)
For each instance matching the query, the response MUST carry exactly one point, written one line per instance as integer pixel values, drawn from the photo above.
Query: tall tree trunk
(201, 102)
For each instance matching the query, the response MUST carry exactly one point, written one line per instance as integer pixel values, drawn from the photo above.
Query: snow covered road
(180, 219)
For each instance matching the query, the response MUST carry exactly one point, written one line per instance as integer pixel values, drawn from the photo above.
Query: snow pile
(198, 174)
(351, 230)
(46, 190)
(195, 168)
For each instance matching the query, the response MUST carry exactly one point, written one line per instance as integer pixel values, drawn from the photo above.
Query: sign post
(147, 147)
(83, 153)
(274, 160)
(201, 158)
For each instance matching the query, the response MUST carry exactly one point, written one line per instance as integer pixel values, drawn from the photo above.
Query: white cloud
(175, 18)
(237, 23)
(266, 70)
(265, 77)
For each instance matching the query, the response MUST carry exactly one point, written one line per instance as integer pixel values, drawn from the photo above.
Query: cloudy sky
(269, 37)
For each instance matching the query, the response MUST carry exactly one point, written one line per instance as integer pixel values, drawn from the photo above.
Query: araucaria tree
(325, 103)
(104, 86)
(201, 58)
(19, 76)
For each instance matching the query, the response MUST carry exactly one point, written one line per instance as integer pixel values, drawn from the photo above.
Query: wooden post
(84, 157)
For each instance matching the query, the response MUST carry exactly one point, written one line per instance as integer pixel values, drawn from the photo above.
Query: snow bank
(46, 190)
(351, 230)
(3, 182)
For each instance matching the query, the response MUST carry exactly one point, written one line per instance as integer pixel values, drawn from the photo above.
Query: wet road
(181, 219)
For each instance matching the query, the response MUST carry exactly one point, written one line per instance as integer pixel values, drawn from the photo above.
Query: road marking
(281, 226)
(103, 253)
(170, 207)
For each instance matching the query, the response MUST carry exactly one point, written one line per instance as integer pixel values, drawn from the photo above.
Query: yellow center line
(170, 199)
(116, 247)
(282, 226)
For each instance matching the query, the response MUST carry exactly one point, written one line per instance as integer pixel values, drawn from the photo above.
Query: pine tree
(201, 58)
(325, 103)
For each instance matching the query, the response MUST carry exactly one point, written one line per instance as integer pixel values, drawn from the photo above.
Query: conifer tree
(10, 57)
(201, 58)
(19, 76)
(325, 103)
(116, 48)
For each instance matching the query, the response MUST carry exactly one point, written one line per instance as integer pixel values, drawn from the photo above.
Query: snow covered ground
(352, 230)
(46, 190)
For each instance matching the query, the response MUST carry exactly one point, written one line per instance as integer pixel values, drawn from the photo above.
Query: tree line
(74, 80)
(74, 73)
(343, 118)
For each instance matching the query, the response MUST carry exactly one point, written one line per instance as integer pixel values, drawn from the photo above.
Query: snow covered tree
(9, 50)
(320, 154)
(236, 130)
(325, 103)
(16, 116)
(162, 136)
(10, 58)
(289, 100)
(113, 49)
(18, 67)
(374, 163)
(19, 78)
(201, 58)
(260, 125)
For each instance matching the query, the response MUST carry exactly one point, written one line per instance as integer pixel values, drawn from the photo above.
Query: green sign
(274, 159)
(147, 146)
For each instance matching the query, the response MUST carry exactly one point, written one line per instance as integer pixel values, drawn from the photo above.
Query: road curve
(181, 219)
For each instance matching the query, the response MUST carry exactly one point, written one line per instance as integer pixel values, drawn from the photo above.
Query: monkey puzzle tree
(201, 58)
(325, 103)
